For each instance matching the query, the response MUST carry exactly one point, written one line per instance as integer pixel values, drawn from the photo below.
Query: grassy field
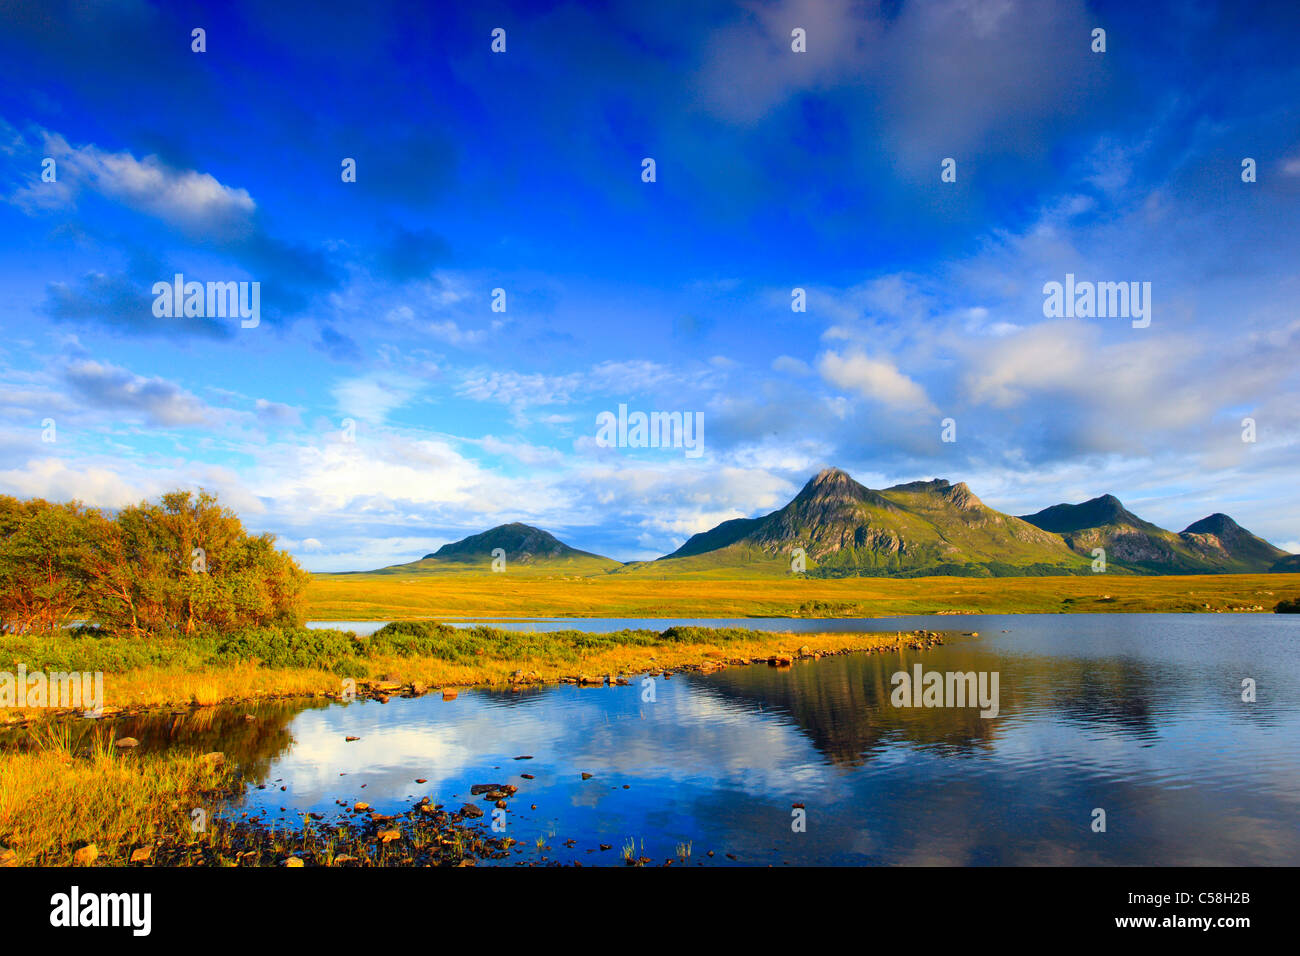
(359, 597)
(292, 662)
(73, 790)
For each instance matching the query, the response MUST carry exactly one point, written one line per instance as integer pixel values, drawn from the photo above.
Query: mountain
(1288, 565)
(1213, 544)
(729, 532)
(845, 528)
(525, 549)
(908, 530)
(1218, 537)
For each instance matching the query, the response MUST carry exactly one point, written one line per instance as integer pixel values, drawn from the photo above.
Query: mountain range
(919, 528)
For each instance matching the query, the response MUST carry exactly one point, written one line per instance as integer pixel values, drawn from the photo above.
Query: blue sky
(522, 171)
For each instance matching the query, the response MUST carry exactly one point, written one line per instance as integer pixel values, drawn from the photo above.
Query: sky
(382, 407)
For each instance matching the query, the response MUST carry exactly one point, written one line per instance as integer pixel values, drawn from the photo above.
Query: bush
(182, 565)
(280, 647)
(1288, 607)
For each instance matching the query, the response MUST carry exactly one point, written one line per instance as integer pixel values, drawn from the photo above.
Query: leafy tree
(41, 584)
(180, 565)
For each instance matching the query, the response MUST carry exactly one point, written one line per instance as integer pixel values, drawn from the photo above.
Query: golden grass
(486, 595)
(439, 673)
(66, 793)
(160, 687)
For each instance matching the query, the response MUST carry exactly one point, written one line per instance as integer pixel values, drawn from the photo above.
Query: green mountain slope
(1213, 544)
(525, 548)
(1288, 565)
(1219, 538)
(844, 528)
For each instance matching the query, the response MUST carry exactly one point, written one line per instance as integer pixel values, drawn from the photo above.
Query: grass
(71, 788)
(485, 596)
(297, 661)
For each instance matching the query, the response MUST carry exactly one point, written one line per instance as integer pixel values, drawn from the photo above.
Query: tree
(41, 583)
(182, 564)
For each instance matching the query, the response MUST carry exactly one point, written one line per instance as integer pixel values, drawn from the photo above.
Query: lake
(1137, 715)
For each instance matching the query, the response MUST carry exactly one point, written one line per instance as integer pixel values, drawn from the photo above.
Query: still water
(1138, 715)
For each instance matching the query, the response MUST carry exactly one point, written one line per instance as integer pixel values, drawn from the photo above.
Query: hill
(525, 548)
(1220, 538)
(1288, 565)
(1214, 544)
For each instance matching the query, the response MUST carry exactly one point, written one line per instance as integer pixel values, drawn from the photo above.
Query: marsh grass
(282, 662)
(70, 787)
(478, 595)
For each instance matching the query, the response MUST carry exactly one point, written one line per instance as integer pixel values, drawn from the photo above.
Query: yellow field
(552, 661)
(485, 595)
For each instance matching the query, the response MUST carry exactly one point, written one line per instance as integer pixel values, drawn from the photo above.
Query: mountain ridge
(924, 527)
(1214, 544)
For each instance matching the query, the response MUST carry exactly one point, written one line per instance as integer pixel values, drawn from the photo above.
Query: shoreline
(143, 825)
(141, 691)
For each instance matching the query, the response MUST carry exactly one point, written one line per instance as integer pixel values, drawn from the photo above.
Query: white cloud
(873, 378)
(112, 388)
(791, 365)
(194, 201)
(371, 398)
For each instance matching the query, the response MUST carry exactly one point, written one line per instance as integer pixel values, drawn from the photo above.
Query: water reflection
(1139, 715)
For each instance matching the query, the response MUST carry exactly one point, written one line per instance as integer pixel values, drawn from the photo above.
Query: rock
(470, 811)
(293, 861)
(361, 807)
(86, 855)
(479, 789)
(419, 689)
(8, 857)
(585, 775)
(526, 776)
(805, 651)
(525, 757)
(449, 693)
(350, 739)
(420, 780)
(388, 836)
(142, 854)
(125, 742)
(215, 759)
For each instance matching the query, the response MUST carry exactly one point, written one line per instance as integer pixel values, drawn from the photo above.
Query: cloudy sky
(522, 171)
